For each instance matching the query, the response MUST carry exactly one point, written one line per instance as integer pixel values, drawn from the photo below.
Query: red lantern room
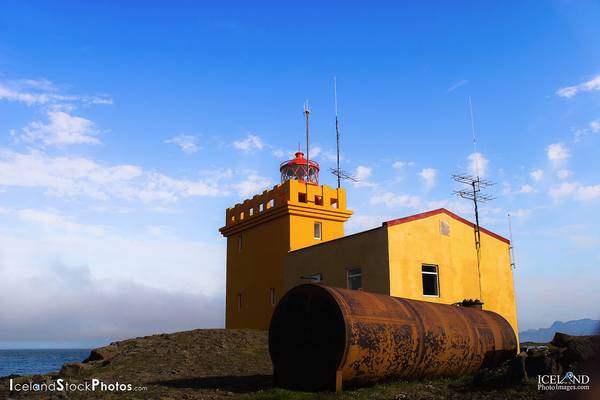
(299, 168)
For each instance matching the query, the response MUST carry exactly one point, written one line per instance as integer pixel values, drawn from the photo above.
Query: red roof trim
(450, 214)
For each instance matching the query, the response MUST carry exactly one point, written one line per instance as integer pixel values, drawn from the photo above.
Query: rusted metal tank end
(307, 339)
(322, 337)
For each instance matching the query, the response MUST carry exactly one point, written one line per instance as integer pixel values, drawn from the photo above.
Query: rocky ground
(217, 364)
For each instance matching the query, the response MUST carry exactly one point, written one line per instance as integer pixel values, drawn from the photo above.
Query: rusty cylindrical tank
(322, 336)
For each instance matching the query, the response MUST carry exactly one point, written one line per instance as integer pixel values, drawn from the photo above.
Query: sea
(38, 361)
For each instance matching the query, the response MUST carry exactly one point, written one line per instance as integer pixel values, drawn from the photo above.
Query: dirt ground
(217, 364)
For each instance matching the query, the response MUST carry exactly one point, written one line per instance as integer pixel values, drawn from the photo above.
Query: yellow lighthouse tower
(261, 231)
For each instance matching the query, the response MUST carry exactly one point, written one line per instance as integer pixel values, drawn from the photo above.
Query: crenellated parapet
(293, 197)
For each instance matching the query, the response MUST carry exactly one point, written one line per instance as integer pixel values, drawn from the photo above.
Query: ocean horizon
(37, 361)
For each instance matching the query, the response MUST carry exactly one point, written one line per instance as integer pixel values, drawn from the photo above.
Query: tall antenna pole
(512, 246)
(475, 154)
(307, 113)
(474, 193)
(337, 171)
(337, 132)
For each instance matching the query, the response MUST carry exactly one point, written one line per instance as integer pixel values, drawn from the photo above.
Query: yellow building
(261, 231)
(294, 233)
(429, 256)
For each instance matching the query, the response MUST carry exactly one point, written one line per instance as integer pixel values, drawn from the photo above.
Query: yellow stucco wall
(285, 223)
(367, 250)
(420, 241)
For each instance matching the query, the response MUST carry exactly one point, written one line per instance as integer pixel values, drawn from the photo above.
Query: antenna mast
(474, 193)
(338, 172)
(512, 246)
(307, 113)
(337, 131)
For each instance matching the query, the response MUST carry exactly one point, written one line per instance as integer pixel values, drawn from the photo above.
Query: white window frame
(437, 278)
(320, 225)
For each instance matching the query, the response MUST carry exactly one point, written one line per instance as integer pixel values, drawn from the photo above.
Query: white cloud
(59, 270)
(537, 174)
(187, 143)
(562, 190)
(402, 164)
(557, 152)
(429, 176)
(587, 193)
(362, 175)
(40, 92)
(595, 125)
(564, 174)
(61, 129)
(478, 164)
(249, 143)
(520, 213)
(362, 222)
(252, 184)
(463, 208)
(576, 191)
(570, 91)
(392, 200)
(81, 177)
(527, 189)
(58, 222)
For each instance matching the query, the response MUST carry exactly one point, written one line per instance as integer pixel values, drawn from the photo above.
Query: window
(355, 279)
(431, 285)
(251, 212)
(319, 200)
(334, 203)
(317, 230)
(272, 296)
(271, 203)
(240, 242)
(261, 207)
(316, 277)
(239, 301)
(302, 197)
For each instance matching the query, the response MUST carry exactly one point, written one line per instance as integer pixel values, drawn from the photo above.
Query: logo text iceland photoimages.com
(569, 381)
(60, 385)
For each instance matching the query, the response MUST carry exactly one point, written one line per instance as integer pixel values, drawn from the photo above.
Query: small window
(241, 242)
(319, 200)
(317, 230)
(239, 301)
(272, 296)
(355, 279)
(271, 203)
(315, 278)
(251, 212)
(302, 197)
(334, 203)
(431, 286)
(261, 207)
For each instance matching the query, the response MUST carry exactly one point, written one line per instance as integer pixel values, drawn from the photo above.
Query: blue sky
(125, 132)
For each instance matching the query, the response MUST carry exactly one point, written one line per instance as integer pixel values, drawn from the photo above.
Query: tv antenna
(337, 171)
(474, 192)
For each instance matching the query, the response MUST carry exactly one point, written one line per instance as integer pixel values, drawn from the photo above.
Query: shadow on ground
(236, 384)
